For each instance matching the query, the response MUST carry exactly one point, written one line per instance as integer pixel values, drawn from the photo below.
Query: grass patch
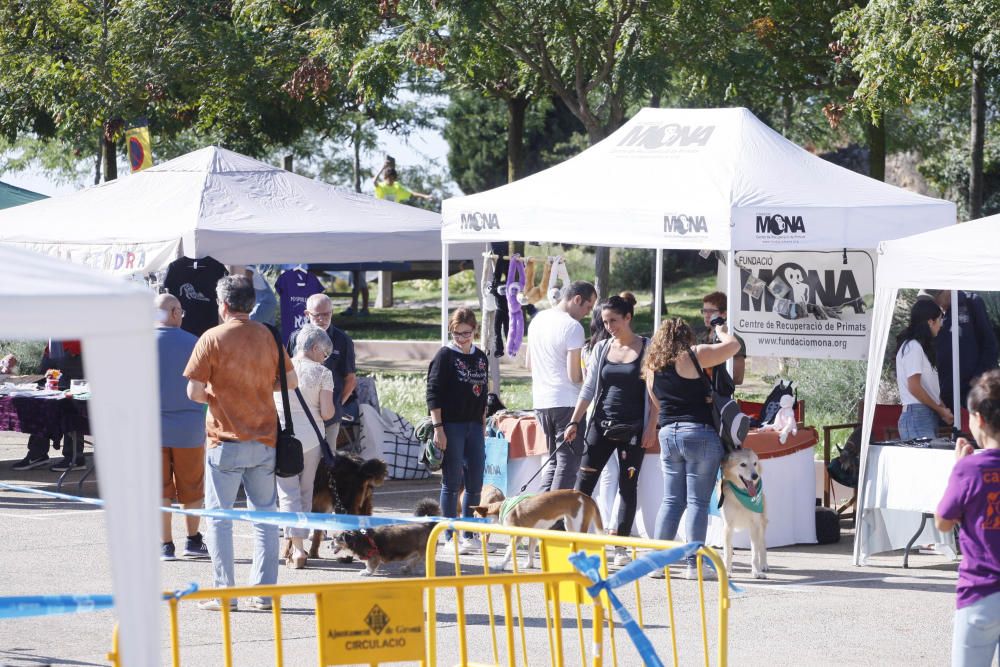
(28, 353)
(406, 393)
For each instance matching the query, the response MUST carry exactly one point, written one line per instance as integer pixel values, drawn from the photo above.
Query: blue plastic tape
(312, 520)
(24, 606)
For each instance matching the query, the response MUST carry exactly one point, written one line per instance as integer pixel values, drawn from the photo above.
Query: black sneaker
(28, 463)
(66, 464)
(195, 547)
(167, 551)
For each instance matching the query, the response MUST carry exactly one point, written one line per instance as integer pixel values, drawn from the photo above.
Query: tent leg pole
(658, 290)
(444, 294)
(955, 368)
(730, 291)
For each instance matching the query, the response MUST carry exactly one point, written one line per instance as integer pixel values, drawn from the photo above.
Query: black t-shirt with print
(193, 282)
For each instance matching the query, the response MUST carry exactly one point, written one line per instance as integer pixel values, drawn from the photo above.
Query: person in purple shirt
(972, 502)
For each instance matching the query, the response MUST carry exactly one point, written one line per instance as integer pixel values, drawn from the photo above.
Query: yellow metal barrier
(555, 547)
(376, 622)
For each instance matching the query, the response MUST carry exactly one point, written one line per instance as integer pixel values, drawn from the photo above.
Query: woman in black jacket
(456, 399)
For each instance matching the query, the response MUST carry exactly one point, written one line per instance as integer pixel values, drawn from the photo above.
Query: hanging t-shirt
(394, 191)
(294, 287)
(193, 282)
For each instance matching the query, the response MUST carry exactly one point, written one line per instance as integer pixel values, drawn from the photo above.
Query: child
(972, 501)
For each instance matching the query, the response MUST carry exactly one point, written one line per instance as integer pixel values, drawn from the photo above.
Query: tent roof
(961, 256)
(696, 178)
(11, 195)
(220, 203)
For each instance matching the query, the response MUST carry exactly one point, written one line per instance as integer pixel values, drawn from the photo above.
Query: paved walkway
(816, 609)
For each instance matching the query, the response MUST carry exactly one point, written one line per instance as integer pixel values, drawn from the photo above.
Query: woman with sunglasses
(456, 400)
(916, 374)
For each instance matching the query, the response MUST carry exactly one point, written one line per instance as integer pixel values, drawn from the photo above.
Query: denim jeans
(977, 633)
(464, 461)
(690, 455)
(918, 421)
(251, 463)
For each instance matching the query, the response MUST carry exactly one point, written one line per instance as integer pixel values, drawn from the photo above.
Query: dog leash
(559, 437)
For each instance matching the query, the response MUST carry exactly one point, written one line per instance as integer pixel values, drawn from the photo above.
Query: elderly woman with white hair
(312, 347)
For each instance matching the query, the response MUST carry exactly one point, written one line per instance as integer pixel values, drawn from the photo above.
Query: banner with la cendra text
(805, 304)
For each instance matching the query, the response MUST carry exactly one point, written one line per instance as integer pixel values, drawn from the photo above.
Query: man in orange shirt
(234, 369)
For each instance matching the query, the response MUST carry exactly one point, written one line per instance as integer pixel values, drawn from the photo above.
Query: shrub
(28, 353)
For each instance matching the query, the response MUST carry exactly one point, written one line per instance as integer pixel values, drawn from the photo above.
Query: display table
(788, 471)
(902, 484)
(51, 416)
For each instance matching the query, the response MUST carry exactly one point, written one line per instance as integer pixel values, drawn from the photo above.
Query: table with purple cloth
(48, 416)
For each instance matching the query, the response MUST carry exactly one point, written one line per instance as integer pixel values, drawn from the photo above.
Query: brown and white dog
(742, 485)
(405, 542)
(542, 511)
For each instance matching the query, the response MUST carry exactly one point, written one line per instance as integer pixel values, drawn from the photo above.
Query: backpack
(769, 410)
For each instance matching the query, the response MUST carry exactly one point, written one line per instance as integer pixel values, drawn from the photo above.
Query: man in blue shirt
(182, 429)
(977, 344)
(319, 311)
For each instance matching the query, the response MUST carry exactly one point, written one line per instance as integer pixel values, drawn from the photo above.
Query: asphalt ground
(815, 608)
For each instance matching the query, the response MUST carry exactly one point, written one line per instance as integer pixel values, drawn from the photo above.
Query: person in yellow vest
(388, 188)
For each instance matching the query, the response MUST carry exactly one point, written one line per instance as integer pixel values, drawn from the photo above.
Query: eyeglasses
(182, 311)
(321, 316)
(463, 334)
(710, 311)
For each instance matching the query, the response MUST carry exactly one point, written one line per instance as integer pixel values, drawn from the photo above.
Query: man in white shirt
(554, 343)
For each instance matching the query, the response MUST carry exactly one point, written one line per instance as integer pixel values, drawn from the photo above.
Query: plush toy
(784, 422)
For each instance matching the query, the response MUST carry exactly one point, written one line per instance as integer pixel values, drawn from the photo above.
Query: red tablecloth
(526, 439)
(51, 417)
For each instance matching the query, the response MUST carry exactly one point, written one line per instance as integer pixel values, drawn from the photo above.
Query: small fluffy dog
(405, 542)
(346, 487)
(543, 510)
(742, 505)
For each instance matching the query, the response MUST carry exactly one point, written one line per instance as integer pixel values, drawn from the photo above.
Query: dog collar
(510, 503)
(752, 503)
(372, 547)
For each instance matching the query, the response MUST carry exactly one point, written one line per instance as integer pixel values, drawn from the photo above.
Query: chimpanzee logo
(992, 520)
(795, 276)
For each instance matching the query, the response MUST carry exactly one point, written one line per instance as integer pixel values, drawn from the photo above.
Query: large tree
(921, 51)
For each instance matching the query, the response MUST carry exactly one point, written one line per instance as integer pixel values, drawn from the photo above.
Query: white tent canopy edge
(43, 297)
(958, 257)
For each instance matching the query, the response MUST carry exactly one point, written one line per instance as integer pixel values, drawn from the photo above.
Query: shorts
(183, 474)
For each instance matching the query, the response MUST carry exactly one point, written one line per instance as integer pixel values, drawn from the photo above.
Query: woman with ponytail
(916, 374)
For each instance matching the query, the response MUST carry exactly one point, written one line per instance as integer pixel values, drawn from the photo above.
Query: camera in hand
(718, 320)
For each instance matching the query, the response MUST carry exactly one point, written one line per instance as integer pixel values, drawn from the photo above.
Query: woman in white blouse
(916, 374)
(312, 347)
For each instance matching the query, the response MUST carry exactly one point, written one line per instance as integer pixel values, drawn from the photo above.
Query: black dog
(346, 487)
(406, 541)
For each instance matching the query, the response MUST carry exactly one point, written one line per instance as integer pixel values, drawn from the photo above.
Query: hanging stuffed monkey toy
(784, 422)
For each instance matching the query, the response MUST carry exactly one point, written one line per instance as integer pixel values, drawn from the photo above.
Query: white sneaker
(707, 573)
(467, 546)
(658, 574)
(621, 557)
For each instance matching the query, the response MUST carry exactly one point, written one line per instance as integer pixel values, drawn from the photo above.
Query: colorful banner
(805, 304)
(139, 146)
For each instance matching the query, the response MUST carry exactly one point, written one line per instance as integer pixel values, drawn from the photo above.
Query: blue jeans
(690, 455)
(918, 421)
(464, 461)
(977, 633)
(251, 463)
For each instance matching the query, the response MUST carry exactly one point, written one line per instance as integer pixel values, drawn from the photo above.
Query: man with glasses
(319, 312)
(714, 306)
(182, 429)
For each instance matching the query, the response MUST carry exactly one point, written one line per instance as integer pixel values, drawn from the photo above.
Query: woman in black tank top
(690, 449)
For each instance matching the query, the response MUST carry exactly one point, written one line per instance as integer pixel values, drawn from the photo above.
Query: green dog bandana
(510, 503)
(753, 503)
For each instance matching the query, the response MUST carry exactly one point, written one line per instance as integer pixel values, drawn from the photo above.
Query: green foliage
(28, 353)
(406, 393)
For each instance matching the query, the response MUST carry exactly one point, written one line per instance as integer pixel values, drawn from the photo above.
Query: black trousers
(599, 450)
(72, 445)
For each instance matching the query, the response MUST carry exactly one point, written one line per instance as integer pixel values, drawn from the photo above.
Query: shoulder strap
(701, 371)
(284, 382)
(324, 445)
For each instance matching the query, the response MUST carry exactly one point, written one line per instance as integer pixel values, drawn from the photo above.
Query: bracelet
(576, 424)
(438, 425)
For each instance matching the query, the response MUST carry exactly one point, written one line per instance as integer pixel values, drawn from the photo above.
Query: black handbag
(324, 446)
(621, 431)
(288, 459)
(730, 422)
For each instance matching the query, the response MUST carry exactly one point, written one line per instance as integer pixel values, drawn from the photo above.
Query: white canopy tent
(958, 257)
(43, 297)
(220, 203)
(691, 179)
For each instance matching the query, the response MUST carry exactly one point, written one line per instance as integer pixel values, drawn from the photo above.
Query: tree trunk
(602, 271)
(356, 140)
(110, 160)
(876, 149)
(516, 109)
(977, 139)
(654, 100)
(288, 162)
(99, 160)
